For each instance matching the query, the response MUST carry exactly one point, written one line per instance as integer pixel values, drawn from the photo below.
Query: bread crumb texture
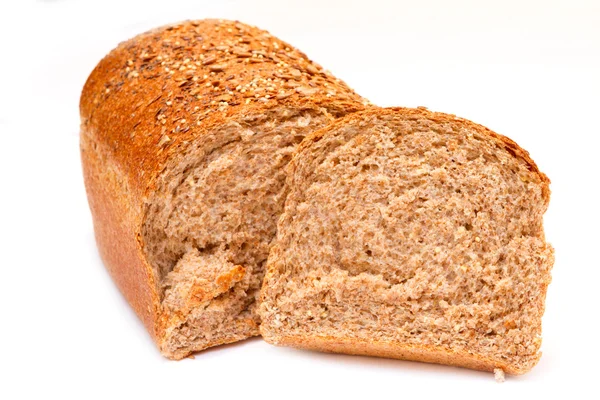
(499, 375)
(186, 131)
(415, 235)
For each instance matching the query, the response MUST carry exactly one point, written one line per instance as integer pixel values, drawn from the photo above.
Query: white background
(527, 69)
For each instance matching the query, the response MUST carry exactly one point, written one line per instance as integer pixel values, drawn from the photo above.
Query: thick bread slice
(415, 235)
(185, 132)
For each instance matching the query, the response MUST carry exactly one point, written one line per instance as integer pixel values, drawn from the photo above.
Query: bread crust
(116, 224)
(147, 102)
(379, 348)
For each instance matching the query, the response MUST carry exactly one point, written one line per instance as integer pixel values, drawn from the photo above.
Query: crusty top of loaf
(422, 113)
(155, 93)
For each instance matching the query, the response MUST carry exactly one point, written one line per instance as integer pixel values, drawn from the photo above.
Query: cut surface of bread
(415, 235)
(185, 134)
(211, 221)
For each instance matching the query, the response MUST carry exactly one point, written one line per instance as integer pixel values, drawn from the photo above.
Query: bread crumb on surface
(499, 375)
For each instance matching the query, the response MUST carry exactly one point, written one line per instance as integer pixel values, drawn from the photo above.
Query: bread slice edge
(388, 349)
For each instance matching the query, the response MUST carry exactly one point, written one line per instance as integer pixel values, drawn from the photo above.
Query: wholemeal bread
(185, 132)
(415, 235)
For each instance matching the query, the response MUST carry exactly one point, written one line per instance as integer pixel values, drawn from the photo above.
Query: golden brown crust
(153, 96)
(378, 348)
(141, 103)
(115, 220)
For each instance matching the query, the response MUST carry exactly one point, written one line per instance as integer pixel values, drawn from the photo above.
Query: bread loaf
(415, 235)
(185, 131)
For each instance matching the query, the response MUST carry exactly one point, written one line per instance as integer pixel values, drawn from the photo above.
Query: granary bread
(414, 235)
(185, 131)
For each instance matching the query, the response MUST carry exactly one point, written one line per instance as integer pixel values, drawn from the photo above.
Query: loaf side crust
(115, 226)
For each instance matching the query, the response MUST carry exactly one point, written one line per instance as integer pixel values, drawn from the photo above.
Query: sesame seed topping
(164, 140)
(201, 72)
(209, 60)
(217, 67)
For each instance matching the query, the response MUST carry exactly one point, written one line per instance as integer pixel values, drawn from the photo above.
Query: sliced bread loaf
(185, 132)
(415, 235)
